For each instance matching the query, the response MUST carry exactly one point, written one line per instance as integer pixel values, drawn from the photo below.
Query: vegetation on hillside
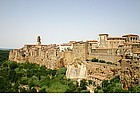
(27, 77)
(101, 61)
(114, 86)
(4, 55)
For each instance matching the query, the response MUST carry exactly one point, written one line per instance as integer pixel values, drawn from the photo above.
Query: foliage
(110, 63)
(90, 82)
(83, 84)
(85, 91)
(94, 60)
(135, 89)
(112, 86)
(4, 55)
(101, 61)
(27, 77)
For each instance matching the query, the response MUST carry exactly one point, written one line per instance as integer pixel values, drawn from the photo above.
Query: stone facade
(107, 47)
(39, 54)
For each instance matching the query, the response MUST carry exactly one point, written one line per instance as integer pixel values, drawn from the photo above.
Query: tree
(3, 84)
(90, 82)
(84, 91)
(12, 65)
(94, 60)
(105, 83)
(83, 84)
(135, 89)
(57, 87)
(4, 55)
(101, 61)
(62, 71)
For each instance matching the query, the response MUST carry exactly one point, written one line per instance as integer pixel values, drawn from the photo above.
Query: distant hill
(5, 49)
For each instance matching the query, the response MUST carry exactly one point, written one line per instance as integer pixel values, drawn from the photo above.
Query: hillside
(4, 55)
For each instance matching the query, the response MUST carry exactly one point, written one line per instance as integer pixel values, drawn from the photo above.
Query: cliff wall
(43, 55)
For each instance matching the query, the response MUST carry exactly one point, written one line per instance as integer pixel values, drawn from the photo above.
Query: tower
(103, 40)
(38, 41)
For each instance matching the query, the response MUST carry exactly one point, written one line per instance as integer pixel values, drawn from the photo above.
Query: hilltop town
(95, 60)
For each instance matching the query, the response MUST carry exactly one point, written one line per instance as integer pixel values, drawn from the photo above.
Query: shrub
(94, 60)
(109, 63)
(84, 91)
(101, 61)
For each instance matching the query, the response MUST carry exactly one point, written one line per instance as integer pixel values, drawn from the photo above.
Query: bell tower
(38, 41)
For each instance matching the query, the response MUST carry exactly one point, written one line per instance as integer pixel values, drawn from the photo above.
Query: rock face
(42, 54)
(129, 72)
(76, 70)
(98, 72)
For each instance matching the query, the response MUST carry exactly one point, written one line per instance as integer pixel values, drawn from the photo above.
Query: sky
(60, 21)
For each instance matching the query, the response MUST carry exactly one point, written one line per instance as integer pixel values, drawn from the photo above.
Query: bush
(101, 61)
(84, 91)
(57, 87)
(4, 55)
(109, 63)
(90, 82)
(62, 71)
(83, 84)
(94, 60)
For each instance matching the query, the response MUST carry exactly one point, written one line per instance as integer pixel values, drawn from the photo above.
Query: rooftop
(92, 41)
(129, 35)
(103, 34)
(116, 38)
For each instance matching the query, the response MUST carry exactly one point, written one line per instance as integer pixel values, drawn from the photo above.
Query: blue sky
(58, 21)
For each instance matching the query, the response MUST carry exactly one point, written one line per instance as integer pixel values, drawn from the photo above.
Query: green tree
(57, 87)
(135, 89)
(83, 84)
(90, 82)
(94, 60)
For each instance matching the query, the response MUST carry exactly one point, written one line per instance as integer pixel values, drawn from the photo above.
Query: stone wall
(109, 55)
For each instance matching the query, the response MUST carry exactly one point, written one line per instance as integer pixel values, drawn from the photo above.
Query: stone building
(92, 45)
(80, 50)
(65, 47)
(108, 46)
(40, 54)
(103, 40)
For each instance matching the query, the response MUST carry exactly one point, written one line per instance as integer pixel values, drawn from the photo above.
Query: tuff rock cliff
(43, 55)
(76, 70)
